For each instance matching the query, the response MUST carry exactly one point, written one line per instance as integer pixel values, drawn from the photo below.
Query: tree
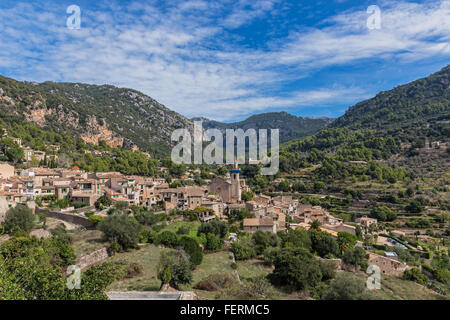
(356, 257)
(146, 218)
(414, 207)
(216, 227)
(193, 250)
(177, 263)
(213, 242)
(11, 150)
(167, 238)
(103, 201)
(383, 213)
(346, 240)
(121, 229)
(247, 195)
(416, 275)
(261, 241)
(284, 186)
(347, 287)
(19, 218)
(243, 249)
(319, 186)
(315, 224)
(326, 245)
(296, 267)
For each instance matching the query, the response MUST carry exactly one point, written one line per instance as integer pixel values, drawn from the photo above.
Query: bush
(102, 202)
(215, 282)
(243, 249)
(121, 229)
(219, 228)
(20, 218)
(213, 242)
(347, 287)
(168, 239)
(328, 269)
(146, 218)
(89, 213)
(193, 250)
(95, 220)
(296, 268)
(415, 275)
(134, 269)
(183, 230)
(174, 268)
(145, 236)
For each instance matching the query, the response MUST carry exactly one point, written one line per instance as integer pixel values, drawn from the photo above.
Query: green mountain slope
(291, 127)
(408, 125)
(121, 117)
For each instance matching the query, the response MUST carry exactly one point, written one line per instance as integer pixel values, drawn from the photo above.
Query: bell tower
(235, 182)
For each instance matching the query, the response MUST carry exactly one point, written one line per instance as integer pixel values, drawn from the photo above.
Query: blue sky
(226, 60)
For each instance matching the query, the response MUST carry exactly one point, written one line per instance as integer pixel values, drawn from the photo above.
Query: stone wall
(387, 266)
(93, 258)
(67, 216)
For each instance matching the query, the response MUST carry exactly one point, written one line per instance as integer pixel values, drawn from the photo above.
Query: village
(219, 197)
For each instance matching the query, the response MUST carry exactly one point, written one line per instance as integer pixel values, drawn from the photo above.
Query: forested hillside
(409, 122)
(123, 118)
(291, 127)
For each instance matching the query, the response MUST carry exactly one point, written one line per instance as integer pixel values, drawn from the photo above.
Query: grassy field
(87, 241)
(395, 288)
(148, 257)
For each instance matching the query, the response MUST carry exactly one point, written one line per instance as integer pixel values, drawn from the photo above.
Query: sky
(226, 60)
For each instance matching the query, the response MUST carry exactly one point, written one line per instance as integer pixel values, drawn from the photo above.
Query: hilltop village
(38, 187)
(168, 234)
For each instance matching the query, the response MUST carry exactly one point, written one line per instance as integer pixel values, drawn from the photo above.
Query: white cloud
(177, 56)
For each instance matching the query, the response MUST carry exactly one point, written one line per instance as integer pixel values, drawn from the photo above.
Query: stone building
(229, 189)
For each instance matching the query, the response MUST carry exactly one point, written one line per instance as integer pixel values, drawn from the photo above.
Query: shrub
(215, 282)
(174, 268)
(134, 269)
(19, 218)
(95, 220)
(415, 275)
(328, 269)
(297, 268)
(167, 238)
(121, 229)
(89, 213)
(347, 287)
(193, 250)
(213, 242)
(145, 236)
(243, 249)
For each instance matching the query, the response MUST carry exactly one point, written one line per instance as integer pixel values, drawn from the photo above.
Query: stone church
(229, 188)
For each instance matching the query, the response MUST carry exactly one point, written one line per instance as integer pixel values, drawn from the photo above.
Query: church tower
(235, 183)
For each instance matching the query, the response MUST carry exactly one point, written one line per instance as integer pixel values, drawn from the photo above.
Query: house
(387, 265)
(262, 224)
(6, 171)
(366, 222)
(9, 200)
